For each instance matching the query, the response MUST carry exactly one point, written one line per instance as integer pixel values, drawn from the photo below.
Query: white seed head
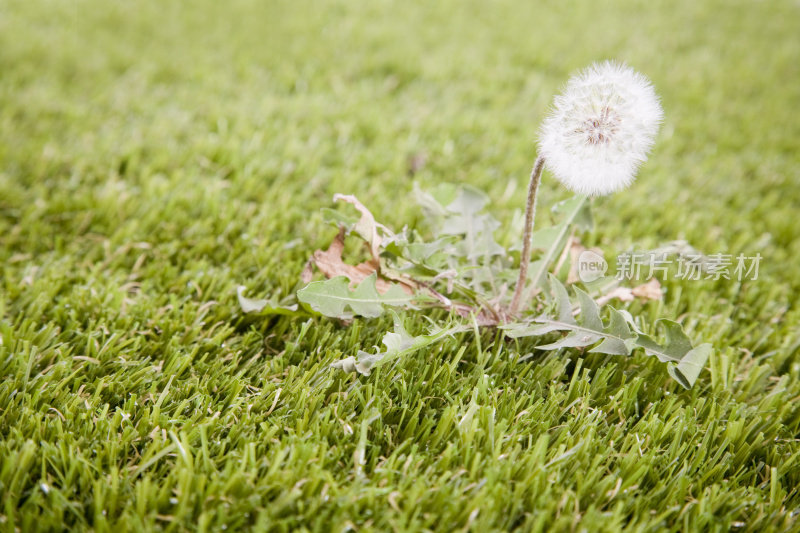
(600, 129)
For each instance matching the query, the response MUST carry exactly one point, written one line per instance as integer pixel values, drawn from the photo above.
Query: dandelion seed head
(601, 129)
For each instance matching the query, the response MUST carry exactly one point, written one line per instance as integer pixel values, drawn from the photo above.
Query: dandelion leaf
(334, 298)
(689, 367)
(620, 336)
(458, 211)
(619, 342)
(397, 342)
(265, 307)
(517, 330)
(468, 201)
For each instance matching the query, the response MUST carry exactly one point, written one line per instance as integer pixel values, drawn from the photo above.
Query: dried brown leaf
(624, 294)
(308, 271)
(330, 263)
(649, 291)
(646, 291)
(575, 249)
(367, 227)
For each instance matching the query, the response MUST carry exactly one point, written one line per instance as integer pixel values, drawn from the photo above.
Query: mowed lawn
(155, 155)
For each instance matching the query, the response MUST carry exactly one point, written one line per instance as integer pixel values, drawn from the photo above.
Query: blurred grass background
(155, 155)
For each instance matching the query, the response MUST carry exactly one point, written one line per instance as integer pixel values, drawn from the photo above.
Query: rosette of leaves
(462, 268)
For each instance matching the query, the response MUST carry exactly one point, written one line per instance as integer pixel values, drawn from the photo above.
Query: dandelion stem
(530, 212)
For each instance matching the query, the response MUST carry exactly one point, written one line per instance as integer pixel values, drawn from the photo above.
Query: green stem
(530, 213)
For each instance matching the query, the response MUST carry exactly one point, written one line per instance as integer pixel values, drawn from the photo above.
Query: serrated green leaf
(619, 342)
(432, 203)
(590, 312)
(420, 252)
(398, 343)
(619, 337)
(468, 201)
(457, 210)
(576, 339)
(612, 346)
(563, 304)
(334, 298)
(517, 330)
(265, 307)
(677, 341)
(688, 369)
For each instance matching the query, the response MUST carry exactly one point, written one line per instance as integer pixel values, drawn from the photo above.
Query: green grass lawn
(155, 155)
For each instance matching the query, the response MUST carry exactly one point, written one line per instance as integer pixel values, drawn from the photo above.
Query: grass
(155, 156)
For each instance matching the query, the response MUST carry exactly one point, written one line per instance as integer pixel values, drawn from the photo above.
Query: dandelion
(598, 134)
(601, 129)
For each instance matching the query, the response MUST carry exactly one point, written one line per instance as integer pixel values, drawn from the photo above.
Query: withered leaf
(367, 227)
(330, 263)
(646, 291)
